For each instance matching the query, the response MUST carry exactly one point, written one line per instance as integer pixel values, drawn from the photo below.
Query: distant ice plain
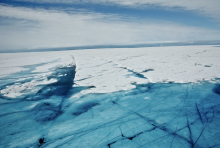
(127, 97)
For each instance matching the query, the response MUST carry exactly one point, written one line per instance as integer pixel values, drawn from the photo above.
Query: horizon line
(140, 45)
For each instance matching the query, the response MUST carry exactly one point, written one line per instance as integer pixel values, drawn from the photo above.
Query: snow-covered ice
(131, 97)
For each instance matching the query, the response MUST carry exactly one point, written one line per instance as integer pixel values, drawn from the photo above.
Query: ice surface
(111, 98)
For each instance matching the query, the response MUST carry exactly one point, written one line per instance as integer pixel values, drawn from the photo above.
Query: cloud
(209, 8)
(35, 28)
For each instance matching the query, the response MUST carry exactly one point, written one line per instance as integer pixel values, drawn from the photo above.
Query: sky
(33, 24)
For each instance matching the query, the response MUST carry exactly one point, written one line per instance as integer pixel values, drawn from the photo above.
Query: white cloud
(208, 7)
(33, 28)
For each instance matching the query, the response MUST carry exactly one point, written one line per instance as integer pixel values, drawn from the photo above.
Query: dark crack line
(200, 135)
(82, 133)
(136, 74)
(174, 136)
(190, 133)
(199, 113)
(156, 125)
(109, 145)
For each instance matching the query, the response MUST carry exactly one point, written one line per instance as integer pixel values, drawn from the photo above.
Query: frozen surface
(145, 97)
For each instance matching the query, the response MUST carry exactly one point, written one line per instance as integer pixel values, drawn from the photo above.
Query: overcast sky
(30, 24)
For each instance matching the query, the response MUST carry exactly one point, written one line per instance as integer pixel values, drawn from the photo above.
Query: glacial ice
(65, 113)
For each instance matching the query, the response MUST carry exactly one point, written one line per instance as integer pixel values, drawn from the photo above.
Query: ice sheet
(143, 97)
